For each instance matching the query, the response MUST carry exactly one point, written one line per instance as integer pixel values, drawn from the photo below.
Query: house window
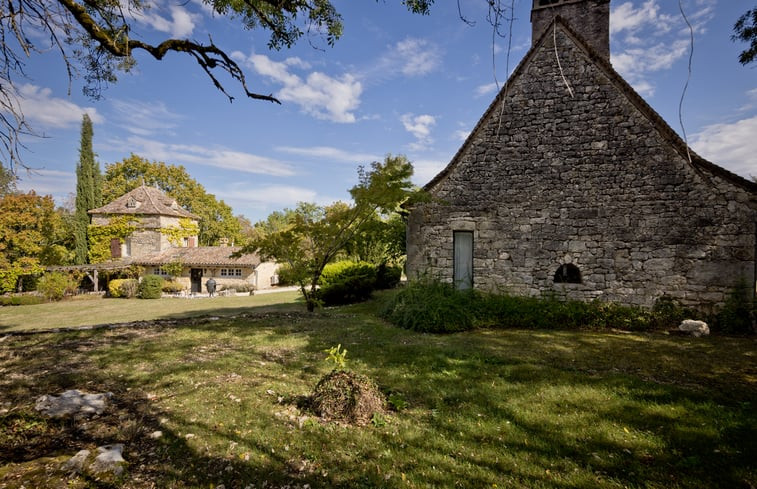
(568, 274)
(231, 272)
(160, 271)
(131, 203)
(463, 259)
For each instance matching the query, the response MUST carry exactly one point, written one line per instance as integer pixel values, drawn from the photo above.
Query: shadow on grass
(512, 408)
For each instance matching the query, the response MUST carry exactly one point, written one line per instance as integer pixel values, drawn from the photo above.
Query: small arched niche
(568, 273)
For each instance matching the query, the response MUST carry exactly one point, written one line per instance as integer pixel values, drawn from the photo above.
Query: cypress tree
(88, 189)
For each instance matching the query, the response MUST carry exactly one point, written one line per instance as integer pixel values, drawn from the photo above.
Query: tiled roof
(145, 200)
(200, 256)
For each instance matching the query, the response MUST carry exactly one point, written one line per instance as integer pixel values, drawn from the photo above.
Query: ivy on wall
(186, 229)
(100, 236)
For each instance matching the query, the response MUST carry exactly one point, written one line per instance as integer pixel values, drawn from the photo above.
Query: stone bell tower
(589, 18)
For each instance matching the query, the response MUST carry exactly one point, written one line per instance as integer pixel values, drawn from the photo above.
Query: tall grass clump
(431, 307)
(738, 313)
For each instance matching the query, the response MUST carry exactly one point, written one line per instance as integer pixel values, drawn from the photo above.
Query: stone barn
(571, 183)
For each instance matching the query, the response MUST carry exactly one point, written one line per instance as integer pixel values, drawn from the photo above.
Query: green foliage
(435, 307)
(337, 355)
(217, 219)
(745, 30)
(311, 236)
(286, 275)
(346, 282)
(21, 300)
(173, 268)
(176, 234)
(55, 285)
(737, 315)
(150, 287)
(388, 276)
(88, 190)
(123, 287)
(100, 237)
(397, 402)
(431, 307)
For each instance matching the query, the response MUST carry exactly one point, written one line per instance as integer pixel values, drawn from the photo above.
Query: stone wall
(588, 178)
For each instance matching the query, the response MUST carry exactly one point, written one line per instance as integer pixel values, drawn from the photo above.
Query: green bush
(151, 287)
(737, 315)
(286, 275)
(346, 282)
(21, 300)
(387, 276)
(55, 285)
(431, 307)
(172, 287)
(123, 287)
(438, 308)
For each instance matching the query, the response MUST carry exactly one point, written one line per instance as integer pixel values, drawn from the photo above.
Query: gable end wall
(552, 179)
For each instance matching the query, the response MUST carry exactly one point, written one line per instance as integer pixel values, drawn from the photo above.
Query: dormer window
(131, 203)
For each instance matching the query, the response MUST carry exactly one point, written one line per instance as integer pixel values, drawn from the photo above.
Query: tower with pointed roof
(571, 184)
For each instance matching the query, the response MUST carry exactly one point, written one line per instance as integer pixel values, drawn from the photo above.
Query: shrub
(346, 282)
(438, 308)
(431, 307)
(172, 287)
(286, 275)
(387, 276)
(123, 287)
(150, 287)
(21, 300)
(738, 312)
(55, 285)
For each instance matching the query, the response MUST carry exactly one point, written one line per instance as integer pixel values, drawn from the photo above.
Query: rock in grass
(109, 460)
(347, 397)
(72, 403)
(694, 328)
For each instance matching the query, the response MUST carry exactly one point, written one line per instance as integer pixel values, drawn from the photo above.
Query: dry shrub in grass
(347, 397)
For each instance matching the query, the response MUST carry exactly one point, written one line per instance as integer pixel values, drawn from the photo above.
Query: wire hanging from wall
(511, 19)
(688, 79)
(557, 56)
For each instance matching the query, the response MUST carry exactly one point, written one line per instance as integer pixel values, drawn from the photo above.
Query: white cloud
(730, 145)
(271, 196)
(41, 108)
(648, 40)
(216, 157)
(329, 153)
(486, 89)
(320, 95)
(172, 19)
(410, 57)
(425, 170)
(420, 127)
(461, 134)
(144, 118)
(48, 182)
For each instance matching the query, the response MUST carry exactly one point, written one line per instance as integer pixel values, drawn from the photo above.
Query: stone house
(572, 184)
(162, 233)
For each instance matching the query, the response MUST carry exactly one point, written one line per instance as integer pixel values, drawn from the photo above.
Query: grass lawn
(93, 310)
(512, 408)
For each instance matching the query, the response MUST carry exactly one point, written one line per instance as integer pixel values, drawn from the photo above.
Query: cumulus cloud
(730, 145)
(48, 182)
(174, 20)
(225, 158)
(487, 89)
(41, 108)
(649, 40)
(420, 127)
(323, 96)
(330, 153)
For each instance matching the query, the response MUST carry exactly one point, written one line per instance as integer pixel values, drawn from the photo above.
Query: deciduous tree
(310, 236)
(29, 230)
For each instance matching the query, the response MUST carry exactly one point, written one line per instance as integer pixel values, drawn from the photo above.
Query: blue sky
(394, 83)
